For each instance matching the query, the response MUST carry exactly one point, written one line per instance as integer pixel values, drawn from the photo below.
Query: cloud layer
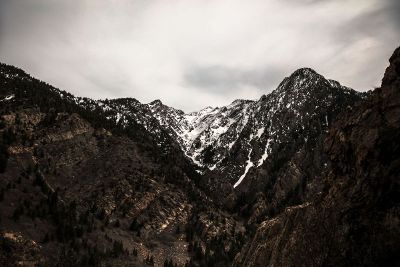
(192, 54)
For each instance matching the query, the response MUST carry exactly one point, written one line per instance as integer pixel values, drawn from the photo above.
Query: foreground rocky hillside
(354, 221)
(80, 188)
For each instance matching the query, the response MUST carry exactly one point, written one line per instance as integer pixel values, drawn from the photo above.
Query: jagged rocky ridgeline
(245, 132)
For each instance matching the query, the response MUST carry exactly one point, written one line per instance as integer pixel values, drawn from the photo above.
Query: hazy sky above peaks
(192, 54)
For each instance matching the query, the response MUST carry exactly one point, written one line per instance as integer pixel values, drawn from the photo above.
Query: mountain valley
(305, 175)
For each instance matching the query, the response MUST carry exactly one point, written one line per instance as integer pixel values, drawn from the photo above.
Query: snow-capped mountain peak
(247, 131)
(242, 136)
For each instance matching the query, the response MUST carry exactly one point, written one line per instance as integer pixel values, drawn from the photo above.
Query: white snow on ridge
(249, 164)
(260, 132)
(265, 155)
(217, 129)
(7, 98)
(199, 130)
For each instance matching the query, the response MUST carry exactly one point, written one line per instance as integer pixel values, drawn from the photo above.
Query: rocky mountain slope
(208, 135)
(305, 175)
(80, 187)
(232, 140)
(354, 221)
(248, 148)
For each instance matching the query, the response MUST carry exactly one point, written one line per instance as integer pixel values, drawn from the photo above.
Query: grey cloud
(376, 23)
(393, 10)
(147, 50)
(222, 79)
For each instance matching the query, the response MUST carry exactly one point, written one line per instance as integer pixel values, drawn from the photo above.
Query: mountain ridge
(354, 219)
(208, 136)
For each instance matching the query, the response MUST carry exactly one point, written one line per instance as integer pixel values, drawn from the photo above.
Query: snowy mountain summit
(232, 141)
(238, 137)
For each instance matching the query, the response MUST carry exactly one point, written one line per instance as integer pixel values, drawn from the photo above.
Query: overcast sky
(192, 54)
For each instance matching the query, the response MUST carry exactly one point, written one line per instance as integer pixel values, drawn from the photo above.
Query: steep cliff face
(354, 220)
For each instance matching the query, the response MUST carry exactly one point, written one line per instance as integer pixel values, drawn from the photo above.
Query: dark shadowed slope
(354, 221)
(85, 182)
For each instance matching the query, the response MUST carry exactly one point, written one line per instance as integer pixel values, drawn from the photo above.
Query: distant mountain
(210, 136)
(243, 147)
(207, 136)
(297, 177)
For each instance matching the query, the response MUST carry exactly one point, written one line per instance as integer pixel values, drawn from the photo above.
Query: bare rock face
(355, 220)
(270, 245)
(391, 77)
(18, 251)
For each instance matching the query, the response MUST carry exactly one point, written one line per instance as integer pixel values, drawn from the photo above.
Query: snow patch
(260, 132)
(248, 166)
(265, 155)
(9, 97)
